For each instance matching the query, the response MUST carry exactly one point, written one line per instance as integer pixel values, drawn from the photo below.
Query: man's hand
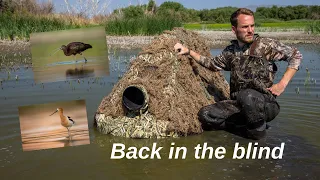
(277, 89)
(181, 49)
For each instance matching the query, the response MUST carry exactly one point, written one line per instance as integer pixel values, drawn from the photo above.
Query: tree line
(217, 15)
(289, 12)
(176, 10)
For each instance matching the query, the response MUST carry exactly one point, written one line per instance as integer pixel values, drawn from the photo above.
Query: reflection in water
(77, 69)
(54, 139)
(80, 73)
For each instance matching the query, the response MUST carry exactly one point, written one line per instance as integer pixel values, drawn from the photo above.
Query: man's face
(245, 28)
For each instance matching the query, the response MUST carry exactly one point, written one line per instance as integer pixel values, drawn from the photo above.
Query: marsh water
(297, 126)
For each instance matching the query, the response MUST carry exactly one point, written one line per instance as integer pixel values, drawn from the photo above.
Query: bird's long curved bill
(53, 113)
(55, 51)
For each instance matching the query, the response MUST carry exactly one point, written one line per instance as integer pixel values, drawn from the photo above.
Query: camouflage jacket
(252, 66)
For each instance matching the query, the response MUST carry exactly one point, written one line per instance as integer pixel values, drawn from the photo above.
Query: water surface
(297, 125)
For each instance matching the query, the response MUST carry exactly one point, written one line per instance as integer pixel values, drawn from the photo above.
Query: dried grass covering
(144, 126)
(176, 85)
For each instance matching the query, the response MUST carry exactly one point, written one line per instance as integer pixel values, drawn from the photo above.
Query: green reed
(148, 25)
(21, 26)
(314, 27)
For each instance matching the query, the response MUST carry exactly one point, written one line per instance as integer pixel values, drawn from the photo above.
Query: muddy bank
(215, 39)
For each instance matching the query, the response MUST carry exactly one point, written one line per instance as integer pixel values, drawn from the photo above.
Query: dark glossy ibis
(74, 48)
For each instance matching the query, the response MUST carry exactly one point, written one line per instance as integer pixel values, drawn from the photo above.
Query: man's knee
(271, 111)
(252, 105)
(250, 97)
(207, 112)
(208, 116)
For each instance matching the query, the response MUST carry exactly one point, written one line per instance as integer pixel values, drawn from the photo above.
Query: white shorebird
(66, 121)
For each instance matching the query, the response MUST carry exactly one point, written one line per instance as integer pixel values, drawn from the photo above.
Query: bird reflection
(82, 72)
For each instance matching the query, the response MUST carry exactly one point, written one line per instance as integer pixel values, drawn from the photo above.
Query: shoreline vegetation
(17, 27)
(214, 39)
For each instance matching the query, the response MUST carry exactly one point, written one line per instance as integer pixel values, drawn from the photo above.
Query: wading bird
(74, 48)
(66, 121)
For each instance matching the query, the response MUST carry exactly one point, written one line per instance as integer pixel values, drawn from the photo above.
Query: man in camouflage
(250, 59)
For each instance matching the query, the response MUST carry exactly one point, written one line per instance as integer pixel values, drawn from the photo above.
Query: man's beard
(244, 40)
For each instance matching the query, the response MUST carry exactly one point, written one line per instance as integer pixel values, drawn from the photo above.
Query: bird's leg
(85, 60)
(68, 133)
(74, 57)
(70, 137)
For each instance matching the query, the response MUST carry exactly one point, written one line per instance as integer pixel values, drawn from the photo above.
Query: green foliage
(314, 27)
(193, 15)
(172, 9)
(133, 11)
(289, 12)
(147, 25)
(18, 26)
(175, 6)
(220, 19)
(220, 15)
(151, 5)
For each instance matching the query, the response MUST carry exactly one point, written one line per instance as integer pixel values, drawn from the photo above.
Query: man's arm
(183, 50)
(292, 56)
(278, 88)
(216, 63)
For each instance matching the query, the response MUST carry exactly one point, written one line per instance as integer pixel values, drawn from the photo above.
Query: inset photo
(69, 54)
(54, 125)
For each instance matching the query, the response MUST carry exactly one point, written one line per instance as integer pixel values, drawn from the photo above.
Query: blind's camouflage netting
(176, 88)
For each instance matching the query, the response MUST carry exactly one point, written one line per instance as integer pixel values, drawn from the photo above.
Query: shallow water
(297, 126)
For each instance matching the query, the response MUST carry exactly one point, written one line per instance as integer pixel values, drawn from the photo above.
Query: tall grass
(17, 26)
(14, 26)
(147, 25)
(314, 27)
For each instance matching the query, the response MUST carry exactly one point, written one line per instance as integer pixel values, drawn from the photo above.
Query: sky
(198, 4)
